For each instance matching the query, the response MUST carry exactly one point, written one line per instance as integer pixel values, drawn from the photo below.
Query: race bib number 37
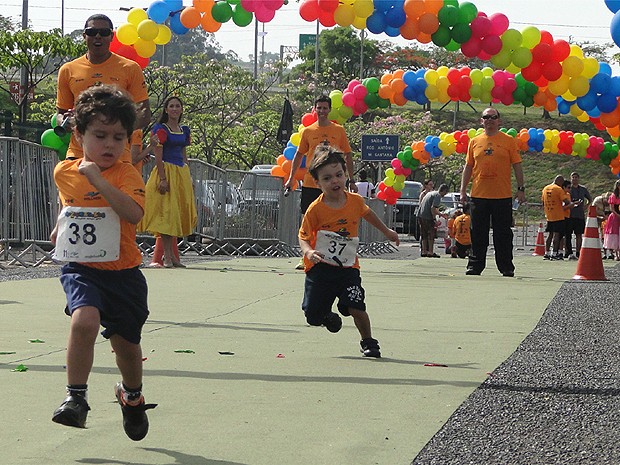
(88, 235)
(337, 250)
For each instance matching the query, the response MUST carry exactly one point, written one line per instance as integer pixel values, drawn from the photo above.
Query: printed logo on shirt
(488, 151)
(93, 195)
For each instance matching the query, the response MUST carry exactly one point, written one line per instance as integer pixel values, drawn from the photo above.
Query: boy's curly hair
(325, 155)
(105, 101)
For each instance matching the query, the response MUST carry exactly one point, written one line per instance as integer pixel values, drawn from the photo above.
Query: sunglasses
(93, 31)
(490, 116)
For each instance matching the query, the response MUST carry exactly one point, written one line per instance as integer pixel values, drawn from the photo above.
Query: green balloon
(453, 46)
(62, 152)
(461, 33)
(53, 120)
(467, 12)
(50, 140)
(373, 84)
(448, 15)
(241, 17)
(442, 37)
(531, 89)
(221, 12)
(372, 100)
(383, 103)
(519, 94)
(528, 101)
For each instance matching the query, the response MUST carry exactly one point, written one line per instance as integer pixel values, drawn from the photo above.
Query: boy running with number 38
(328, 238)
(102, 199)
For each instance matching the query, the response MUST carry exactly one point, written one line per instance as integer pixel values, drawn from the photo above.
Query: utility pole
(362, 54)
(316, 60)
(23, 81)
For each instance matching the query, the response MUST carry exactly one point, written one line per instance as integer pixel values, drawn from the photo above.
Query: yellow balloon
(579, 86)
(164, 34)
(399, 178)
(145, 48)
(359, 23)
(583, 117)
(575, 111)
(560, 86)
(295, 139)
(363, 8)
(443, 71)
(442, 84)
(430, 76)
(476, 76)
(575, 51)
(136, 16)
(590, 67)
(344, 15)
(431, 93)
(127, 34)
(148, 30)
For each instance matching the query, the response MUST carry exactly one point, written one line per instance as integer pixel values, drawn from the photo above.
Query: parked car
(405, 211)
(212, 194)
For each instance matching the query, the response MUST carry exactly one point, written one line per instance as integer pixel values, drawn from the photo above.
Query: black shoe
(547, 256)
(135, 421)
(509, 274)
(72, 412)
(472, 272)
(434, 255)
(332, 322)
(370, 348)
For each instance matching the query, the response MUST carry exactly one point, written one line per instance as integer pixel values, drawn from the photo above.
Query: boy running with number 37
(102, 199)
(328, 238)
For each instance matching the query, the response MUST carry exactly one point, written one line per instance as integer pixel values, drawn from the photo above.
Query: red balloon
(542, 53)
(552, 71)
(546, 38)
(533, 72)
(560, 50)
(309, 10)
(464, 83)
(328, 5)
(326, 18)
(162, 135)
(480, 27)
(472, 47)
(453, 75)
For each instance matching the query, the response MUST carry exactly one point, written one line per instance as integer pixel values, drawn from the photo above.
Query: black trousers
(495, 213)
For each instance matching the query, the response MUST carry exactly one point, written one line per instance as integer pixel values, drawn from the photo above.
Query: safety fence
(239, 212)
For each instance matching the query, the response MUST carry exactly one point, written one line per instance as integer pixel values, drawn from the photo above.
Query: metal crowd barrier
(237, 214)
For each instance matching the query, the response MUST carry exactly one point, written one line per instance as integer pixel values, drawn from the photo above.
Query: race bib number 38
(337, 250)
(88, 235)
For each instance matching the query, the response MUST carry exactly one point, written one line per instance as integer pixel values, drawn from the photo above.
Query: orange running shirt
(553, 200)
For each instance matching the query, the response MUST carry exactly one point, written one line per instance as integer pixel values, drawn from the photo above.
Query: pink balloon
(396, 163)
(480, 27)
(353, 83)
(360, 107)
(484, 56)
(510, 85)
(348, 99)
(499, 23)
(492, 44)
(360, 91)
(249, 5)
(264, 15)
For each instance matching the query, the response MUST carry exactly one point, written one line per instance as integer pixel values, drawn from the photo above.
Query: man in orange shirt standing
(554, 199)
(100, 66)
(490, 157)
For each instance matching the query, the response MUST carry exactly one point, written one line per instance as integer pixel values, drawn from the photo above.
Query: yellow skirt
(172, 213)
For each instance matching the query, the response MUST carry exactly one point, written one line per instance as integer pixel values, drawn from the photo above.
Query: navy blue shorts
(120, 296)
(324, 283)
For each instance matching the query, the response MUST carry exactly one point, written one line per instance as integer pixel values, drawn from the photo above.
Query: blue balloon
(600, 83)
(422, 99)
(420, 85)
(613, 5)
(158, 11)
(409, 93)
(604, 68)
(428, 147)
(375, 23)
(428, 140)
(409, 77)
(392, 31)
(176, 26)
(289, 152)
(614, 28)
(594, 113)
(564, 107)
(395, 17)
(175, 5)
(614, 86)
(607, 103)
(588, 101)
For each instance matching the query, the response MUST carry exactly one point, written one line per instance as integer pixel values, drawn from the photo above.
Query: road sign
(306, 39)
(380, 147)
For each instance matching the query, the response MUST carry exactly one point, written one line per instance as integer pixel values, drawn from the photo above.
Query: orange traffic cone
(539, 250)
(590, 265)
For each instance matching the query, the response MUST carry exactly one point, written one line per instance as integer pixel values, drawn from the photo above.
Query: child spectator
(102, 200)
(462, 232)
(449, 241)
(328, 238)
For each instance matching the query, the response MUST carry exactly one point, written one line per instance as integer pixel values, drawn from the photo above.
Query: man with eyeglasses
(100, 66)
(490, 157)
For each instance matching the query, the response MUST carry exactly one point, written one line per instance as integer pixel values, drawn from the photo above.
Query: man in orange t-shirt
(554, 199)
(490, 157)
(100, 66)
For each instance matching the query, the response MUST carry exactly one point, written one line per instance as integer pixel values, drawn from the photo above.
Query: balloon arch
(533, 69)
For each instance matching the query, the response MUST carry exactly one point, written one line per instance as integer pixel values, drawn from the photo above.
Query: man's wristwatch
(521, 188)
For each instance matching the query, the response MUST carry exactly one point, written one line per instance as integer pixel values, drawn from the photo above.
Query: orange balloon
(551, 105)
(278, 172)
(399, 99)
(209, 24)
(398, 74)
(397, 85)
(433, 6)
(429, 23)
(540, 98)
(614, 132)
(385, 91)
(609, 120)
(203, 6)
(281, 159)
(424, 38)
(286, 166)
(190, 17)
(413, 8)
(410, 29)
(386, 78)
(299, 174)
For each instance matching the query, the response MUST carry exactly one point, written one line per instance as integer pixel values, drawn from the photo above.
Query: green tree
(37, 54)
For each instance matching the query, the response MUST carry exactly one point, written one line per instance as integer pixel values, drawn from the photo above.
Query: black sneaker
(332, 322)
(547, 256)
(370, 348)
(135, 421)
(72, 412)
